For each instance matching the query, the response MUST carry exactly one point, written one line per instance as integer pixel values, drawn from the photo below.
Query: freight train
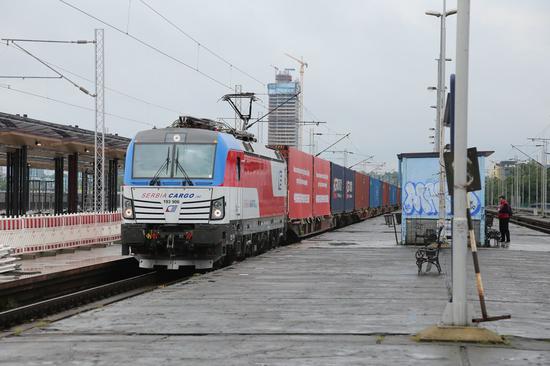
(202, 194)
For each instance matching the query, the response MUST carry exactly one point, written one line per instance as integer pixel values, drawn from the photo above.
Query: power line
(124, 94)
(28, 77)
(337, 141)
(273, 110)
(8, 87)
(80, 41)
(146, 44)
(127, 95)
(79, 87)
(201, 45)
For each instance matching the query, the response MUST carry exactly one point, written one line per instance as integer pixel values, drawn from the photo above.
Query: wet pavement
(348, 297)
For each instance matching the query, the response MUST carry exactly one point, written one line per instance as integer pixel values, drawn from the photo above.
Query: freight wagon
(323, 195)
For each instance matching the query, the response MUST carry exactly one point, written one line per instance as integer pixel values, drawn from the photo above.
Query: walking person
(504, 214)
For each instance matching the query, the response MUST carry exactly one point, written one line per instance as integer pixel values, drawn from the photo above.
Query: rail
(46, 303)
(525, 217)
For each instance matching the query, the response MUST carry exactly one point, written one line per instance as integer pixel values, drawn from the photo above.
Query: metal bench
(429, 254)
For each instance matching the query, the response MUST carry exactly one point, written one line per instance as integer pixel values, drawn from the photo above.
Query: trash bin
(398, 218)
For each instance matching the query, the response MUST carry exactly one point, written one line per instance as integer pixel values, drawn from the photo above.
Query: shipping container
(393, 195)
(321, 187)
(300, 187)
(385, 194)
(336, 189)
(362, 188)
(349, 190)
(375, 194)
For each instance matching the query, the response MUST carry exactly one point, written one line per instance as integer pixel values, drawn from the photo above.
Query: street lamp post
(439, 127)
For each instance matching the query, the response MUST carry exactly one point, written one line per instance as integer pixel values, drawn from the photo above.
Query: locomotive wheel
(273, 240)
(241, 249)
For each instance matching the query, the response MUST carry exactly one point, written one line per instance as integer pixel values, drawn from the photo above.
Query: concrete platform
(348, 297)
(62, 261)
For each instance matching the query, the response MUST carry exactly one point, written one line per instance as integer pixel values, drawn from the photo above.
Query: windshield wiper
(180, 167)
(156, 181)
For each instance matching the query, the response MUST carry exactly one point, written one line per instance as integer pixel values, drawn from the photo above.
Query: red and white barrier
(33, 234)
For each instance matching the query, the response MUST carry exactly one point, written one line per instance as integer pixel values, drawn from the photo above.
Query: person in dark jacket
(504, 214)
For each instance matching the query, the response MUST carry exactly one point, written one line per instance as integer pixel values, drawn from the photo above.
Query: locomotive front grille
(189, 212)
(194, 211)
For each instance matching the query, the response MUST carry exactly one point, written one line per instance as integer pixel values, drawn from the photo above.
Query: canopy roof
(46, 140)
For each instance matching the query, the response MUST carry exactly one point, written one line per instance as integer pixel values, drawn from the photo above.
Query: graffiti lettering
(421, 199)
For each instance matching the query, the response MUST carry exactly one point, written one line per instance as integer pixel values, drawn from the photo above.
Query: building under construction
(283, 122)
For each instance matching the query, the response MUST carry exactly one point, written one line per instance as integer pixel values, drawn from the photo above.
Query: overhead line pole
(543, 177)
(99, 134)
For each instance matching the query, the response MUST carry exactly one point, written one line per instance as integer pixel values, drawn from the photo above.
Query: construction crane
(303, 66)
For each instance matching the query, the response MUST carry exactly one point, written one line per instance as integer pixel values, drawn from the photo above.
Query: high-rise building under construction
(284, 122)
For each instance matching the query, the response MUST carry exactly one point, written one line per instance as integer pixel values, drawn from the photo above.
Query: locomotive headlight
(127, 208)
(217, 210)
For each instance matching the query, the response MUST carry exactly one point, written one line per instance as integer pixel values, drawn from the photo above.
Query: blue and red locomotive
(199, 194)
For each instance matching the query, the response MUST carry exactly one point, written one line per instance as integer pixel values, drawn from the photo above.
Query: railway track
(522, 219)
(40, 308)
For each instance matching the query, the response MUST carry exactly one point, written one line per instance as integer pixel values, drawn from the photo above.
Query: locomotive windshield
(151, 159)
(197, 160)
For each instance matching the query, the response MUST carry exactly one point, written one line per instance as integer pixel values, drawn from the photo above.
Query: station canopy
(47, 140)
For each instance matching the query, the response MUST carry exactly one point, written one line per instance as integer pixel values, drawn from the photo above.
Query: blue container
(375, 194)
(393, 195)
(349, 190)
(337, 204)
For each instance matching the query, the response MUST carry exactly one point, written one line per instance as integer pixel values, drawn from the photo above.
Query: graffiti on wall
(421, 199)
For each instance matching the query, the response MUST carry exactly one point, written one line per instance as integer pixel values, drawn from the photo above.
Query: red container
(362, 185)
(300, 188)
(321, 187)
(385, 194)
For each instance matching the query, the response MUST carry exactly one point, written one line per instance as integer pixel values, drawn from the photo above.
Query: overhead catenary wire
(28, 77)
(200, 44)
(127, 95)
(272, 110)
(79, 87)
(146, 44)
(9, 87)
(80, 41)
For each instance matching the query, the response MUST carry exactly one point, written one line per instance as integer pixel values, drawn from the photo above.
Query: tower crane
(303, 66)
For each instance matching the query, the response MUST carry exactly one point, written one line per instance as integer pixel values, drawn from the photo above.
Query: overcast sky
(369, 65)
